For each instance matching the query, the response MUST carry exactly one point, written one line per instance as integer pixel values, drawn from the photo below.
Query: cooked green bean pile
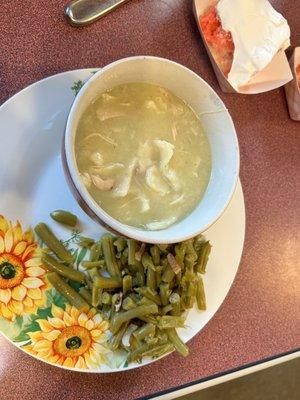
(142, 289)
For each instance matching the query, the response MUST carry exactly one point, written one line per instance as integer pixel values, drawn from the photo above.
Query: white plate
(32, 184)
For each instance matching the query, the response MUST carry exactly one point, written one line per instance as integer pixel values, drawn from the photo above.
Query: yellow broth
(143, 155)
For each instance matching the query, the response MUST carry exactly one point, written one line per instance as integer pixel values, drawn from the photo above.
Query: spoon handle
(84, 12)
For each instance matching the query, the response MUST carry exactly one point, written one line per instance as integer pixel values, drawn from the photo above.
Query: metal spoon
(84, 12)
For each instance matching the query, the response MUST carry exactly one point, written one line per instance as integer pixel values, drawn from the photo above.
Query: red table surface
(260, 316)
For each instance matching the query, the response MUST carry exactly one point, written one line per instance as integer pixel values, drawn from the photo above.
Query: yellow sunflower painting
(22, 276)
(71, 338)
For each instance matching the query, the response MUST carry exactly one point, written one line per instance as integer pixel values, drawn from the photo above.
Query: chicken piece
(104, 115)
(102, 184)
(145, 156)
(96, 158)
(158, 225)
(166, 153)
(107, 169)
(86, 179)
(145, 204)
(155, 181)
(123, 188)
(166, 150)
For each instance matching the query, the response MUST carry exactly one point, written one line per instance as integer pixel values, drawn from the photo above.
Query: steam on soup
(143, 155)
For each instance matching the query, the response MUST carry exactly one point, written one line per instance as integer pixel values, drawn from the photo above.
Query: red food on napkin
(219, 41)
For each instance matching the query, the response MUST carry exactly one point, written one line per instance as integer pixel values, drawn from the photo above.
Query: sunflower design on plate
(22, 276)
(70, 338)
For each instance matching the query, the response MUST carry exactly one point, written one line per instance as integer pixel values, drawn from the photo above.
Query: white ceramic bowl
(217, 124)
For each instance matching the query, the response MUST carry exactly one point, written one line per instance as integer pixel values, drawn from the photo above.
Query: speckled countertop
(260, 316)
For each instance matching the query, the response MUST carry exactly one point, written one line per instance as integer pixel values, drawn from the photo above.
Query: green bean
(68, 292)
(124, 257)
(168, 275)
(166, 309)
(176, 267)
(164, 292)
(158, 271)
(46, 235)
(149, 319)
(106, 298)
(92, 264)
(155, 254)
(145, 301)
(128, 303)
(120, 244)
(67, 272)
(151, 279)
(158, 351)
(127, 284)
(64, 217)
(85, 242)
(108, 283)
(140, 252)
(180, 250)
(96, 251)
(198, 242)
(94, 273)
(162, 247)
(86, 294)
(200, 295)
(149, 293)
(190, 250)
(177, 342)
(96, 295)
(131, 251)
(168, 321)
(109, 256)
(117, 338)
(138, 353)
(189, 262)
(203, 258)
(174, 300)
(152, 341)
(144, 331)
(139, 279)
(147, 262)
(125, 316)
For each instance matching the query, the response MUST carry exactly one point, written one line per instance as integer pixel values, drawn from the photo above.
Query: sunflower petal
(6, 313)
(20, 248)
(82, 319)
(53, 335)
(68, 362)
(17, 232)
(34, 262)
(35, 271)
(36, 336)
(42, 345)
(45, 325)
(29, 251)
(3, 224)
(57, 312)
(28, 302)
(96, 334)
(16, 307)
(74, 312)
(35, 294)
(32, 283)
(5, 295)
(18, 292)
(80, 363)
(29, 236)
(57, 323)
(68, 320)
(1, 245)
(9, 240)
(89, 325)
(54, 358)
(97, 319)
